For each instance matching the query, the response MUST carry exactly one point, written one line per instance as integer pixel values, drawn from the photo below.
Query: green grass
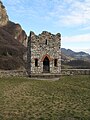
(25, 99)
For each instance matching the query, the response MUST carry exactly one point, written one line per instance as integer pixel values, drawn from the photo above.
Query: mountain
(75, 60)
(12, 42)
(16, 31)
(67, 52)
(12, 28)
(75, 55)
(3, 15)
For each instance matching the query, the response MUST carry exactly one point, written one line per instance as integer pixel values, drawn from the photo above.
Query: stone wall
(16, 73)
(75, 71)
(23, 73)
(45, 44)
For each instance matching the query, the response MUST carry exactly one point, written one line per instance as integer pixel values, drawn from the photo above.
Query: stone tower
(44, 54)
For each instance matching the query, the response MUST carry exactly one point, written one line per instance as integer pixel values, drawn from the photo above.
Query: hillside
(12, 42)
(75, 60)
(75, 55)
(16, 31)
(3, 15)
(11, 51)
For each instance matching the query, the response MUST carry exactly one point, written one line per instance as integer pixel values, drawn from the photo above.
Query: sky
(71, 18)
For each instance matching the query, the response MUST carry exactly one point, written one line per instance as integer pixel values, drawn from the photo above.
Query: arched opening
(46, 65)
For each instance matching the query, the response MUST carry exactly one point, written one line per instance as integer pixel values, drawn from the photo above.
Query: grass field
(25, 99)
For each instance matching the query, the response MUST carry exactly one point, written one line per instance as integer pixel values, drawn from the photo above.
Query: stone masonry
(44, 53)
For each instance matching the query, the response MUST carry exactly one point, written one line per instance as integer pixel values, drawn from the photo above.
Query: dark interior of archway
(46, 65)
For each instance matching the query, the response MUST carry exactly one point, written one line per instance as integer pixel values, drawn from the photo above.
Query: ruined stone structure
(44, 53)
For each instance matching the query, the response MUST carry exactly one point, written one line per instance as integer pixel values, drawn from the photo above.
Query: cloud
(72, 13)
(20, 9)
(13, 2)
(53, 15)
(85, 50)
(77, 38)
(86, 27)
(57, 13)
(63, 12)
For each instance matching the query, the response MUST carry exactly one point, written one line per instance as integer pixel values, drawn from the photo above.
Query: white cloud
(86, 28)
(13, 2)
(64, 12)
(72, 12)
(77, 38)
(20, 9)
(84, 50)
(67, 13)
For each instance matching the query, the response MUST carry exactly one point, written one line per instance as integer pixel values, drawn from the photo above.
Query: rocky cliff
(16, 31)
(3, 15)
(13, 28)
(12, 42)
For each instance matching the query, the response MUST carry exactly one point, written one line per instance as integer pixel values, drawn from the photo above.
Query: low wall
(75, 71)
(8, 73)
(23, 73)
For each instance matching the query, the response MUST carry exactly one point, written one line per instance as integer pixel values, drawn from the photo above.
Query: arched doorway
(46, 65)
